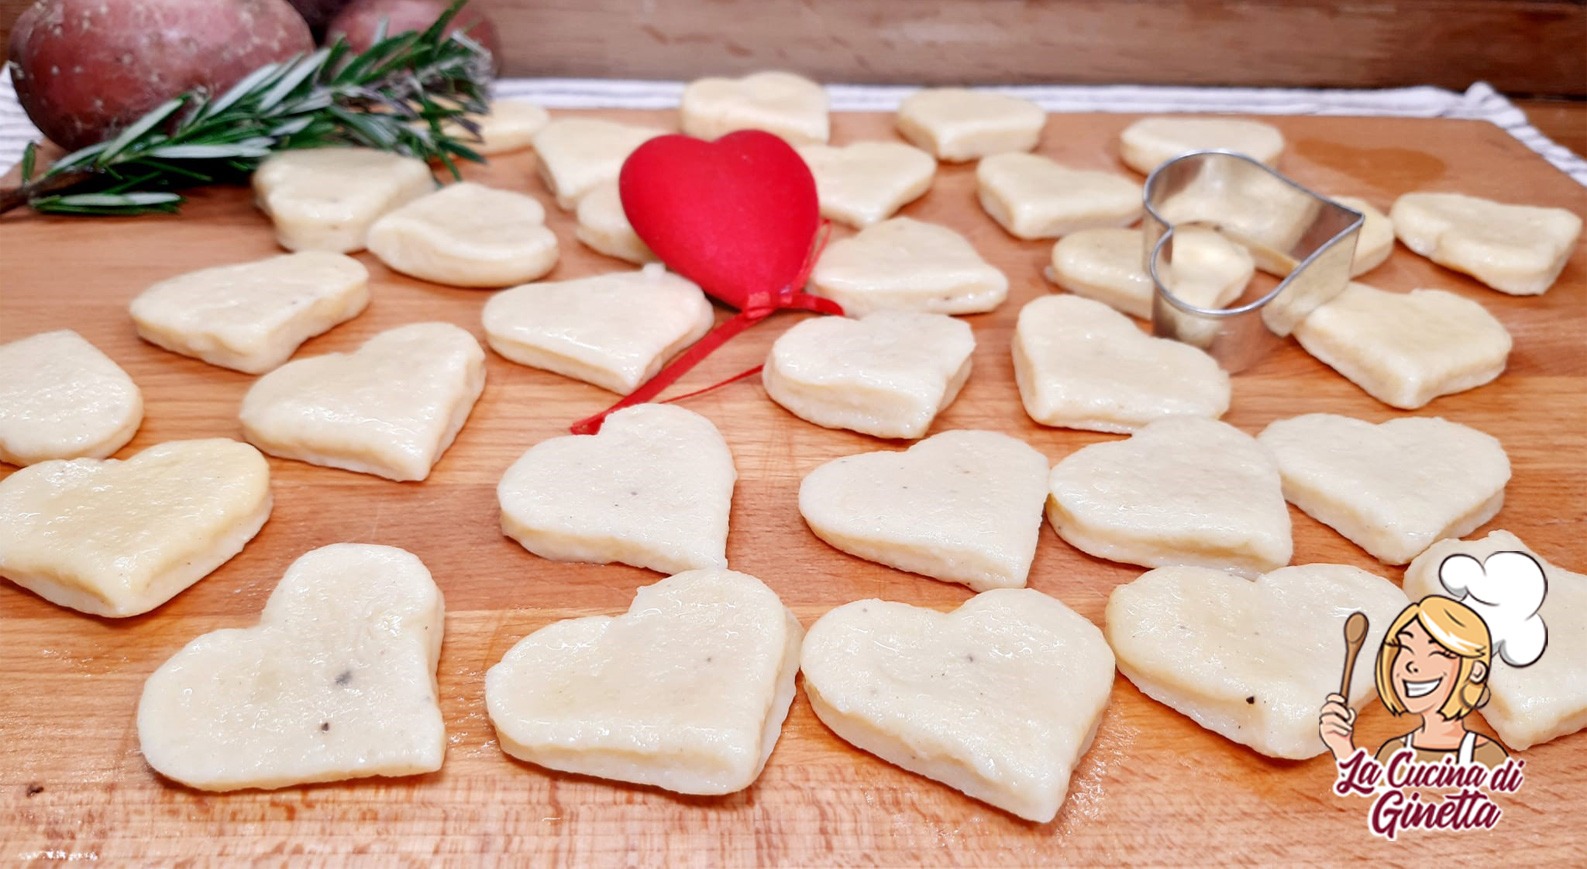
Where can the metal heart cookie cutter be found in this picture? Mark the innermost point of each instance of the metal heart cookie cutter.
(1289, 230)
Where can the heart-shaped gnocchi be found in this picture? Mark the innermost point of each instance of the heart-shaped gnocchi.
(908, 265)
(961, 506)
(337, 681)
(1515, 249)
(867, 182)
(686, 691)
(998, 699)
(603, 226)
(1393, 489)
(1250, 661)
(62, 398)
(1150, 142)
(958, 125)
(119, 538)
(390, 408)
(781, 103)
(467, 235)
(579, 154)
(1109, 265)
(327, 198)
(652, 489)
(1033, 197)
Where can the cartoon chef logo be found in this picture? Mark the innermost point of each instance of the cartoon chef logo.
(1434, 665)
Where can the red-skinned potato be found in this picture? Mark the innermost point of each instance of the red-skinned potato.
(83, 69)
(361, 18)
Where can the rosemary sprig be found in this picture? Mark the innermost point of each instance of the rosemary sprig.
(408, 93)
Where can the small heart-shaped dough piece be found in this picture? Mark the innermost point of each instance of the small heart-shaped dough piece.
(253, 316)
(780, 103)
(1032, 197)
(1515, 249)
(1249, 661)
(961, 506)
(327, 198)
(603, 226)
(1394, 488)
(887, 374)
(510, 126)
(1150, 142)
(614, 330)
(652, 489)
(907, 265)
(467, 235)
(1109, 265)
(686, 691)
(61, 398)
(959, 125)
(118, 538)
(336, 682)
(390, 408)
(1406, 349)
(1081, 364)
(1375, 241)
(1181, 491)
(1548, 699)
(998, 699)
(579, 154)
(866, 182)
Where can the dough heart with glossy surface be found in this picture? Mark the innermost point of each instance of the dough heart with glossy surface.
(603, 226)
(1149, 142)
(467, 235)
(1109, 265)
(1515, 249)
(578, 154)
(958, 125)
(61, 398)
(327, 198)
(781, 103)
(1033, 197)
(908, 265)
(866, 182)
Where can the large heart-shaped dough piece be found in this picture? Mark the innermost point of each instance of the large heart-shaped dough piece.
(119, 538)
(467, 235)
(961, 506)
(1548, 698)
(1032, 197)
(390, 408)
(1109, 265)
(958, 125)
(867, 182)
(1516, 249)
(1250, 661)
(652, 489)
(1181, 491)
(327, 198)
(1393, 489)
(614, 330)
(1406, 349)
(998, 699)
(887, 374)
(337, 681)
(253, 316)
(780, 103)
(1081, 364)
(908, 265)
(686, 691)
(62, 398)
(604, 226)
(577, 154)
(1149, 142)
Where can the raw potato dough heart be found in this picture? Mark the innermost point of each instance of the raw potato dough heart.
(1150, 142)
(1548, 699)
(327, 198)
(119, 538)
(1406, 349)
(604, 226)
(686, 691)
(578, 154)
(904, 264)
(1393, 489)
(336, 682)
(888, 374)
(867, 182)
(1250, 661)
(1109, 265)
(1516, 249)
(467, 235)
(253, 316)
(961, 506)
(614, 330)
(652, 489)
(1181, 491)
(1033, 197)
(390, 408)
(958, 125)
(1375, 241)
(998, 699)
(61, 398)
(510, 126)
(780, 103)
(1081, 364)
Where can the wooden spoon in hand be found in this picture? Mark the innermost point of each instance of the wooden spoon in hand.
(1355, 638)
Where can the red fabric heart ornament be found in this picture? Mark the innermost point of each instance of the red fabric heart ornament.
(738, 216)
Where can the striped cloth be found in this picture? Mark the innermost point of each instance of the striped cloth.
(1479, 102)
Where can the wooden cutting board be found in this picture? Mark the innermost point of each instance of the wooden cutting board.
(1155, 788)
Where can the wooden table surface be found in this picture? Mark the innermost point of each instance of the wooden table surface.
(1155, 788)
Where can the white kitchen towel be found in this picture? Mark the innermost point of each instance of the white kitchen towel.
(1480, 102)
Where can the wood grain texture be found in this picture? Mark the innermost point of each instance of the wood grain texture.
(1155, 788)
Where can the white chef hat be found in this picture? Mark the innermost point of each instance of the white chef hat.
(1507, 590)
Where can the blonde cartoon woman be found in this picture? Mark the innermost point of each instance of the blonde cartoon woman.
(1434, 663)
